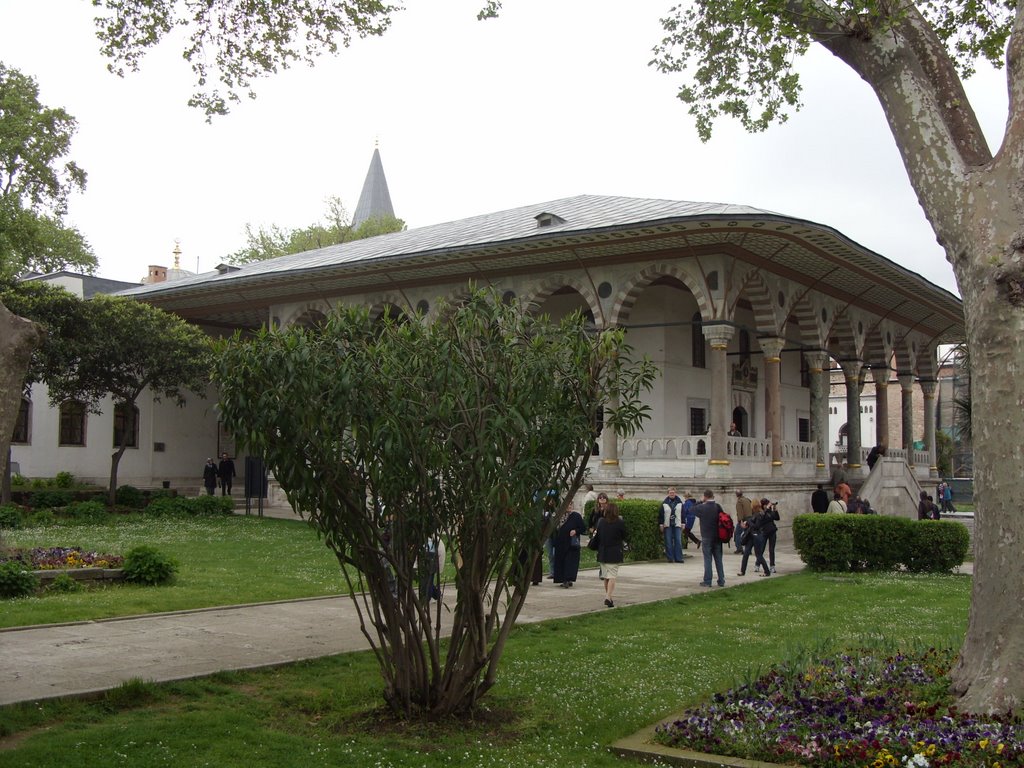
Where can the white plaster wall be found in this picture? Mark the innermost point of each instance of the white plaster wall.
(189, 434)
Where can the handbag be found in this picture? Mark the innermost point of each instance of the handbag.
(594, 542)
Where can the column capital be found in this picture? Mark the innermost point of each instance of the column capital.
(852, 369)
(881, 374)
(817, 360)
(928, 388)
(906, 381)
(718, 334)
(772, 347)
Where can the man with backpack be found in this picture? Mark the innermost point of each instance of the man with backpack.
(715, 524)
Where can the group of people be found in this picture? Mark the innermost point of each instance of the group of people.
(607, 537)
(843, 500)
(753, 531)
(223, 473)
(928, 509)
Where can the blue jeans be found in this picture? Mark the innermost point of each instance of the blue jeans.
(674, 544)
(712, 549)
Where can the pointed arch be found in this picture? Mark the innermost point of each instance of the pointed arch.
(634, 286)
(551, 284)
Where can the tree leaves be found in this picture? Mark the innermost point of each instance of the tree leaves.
(392, 433)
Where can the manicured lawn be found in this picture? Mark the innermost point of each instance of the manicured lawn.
(566, 688)
(222, 561)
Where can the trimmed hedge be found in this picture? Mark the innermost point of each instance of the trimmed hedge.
(832, 542)
(641, 519)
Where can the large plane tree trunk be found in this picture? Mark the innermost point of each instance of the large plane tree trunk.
(974, 201)
(18, 338)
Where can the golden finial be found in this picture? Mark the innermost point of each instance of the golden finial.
(177, 253)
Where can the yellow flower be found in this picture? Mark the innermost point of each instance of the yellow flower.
(999, 749)
(983, 743)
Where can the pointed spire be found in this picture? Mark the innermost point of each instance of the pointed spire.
(374, 200)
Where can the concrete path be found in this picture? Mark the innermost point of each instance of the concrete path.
(87, 657)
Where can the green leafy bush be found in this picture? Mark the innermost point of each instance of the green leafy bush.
(834, 542)
(16, 580)
(147, 565)
(43, 518)
(641, 518)
(162, 506)
(10, 517)
(937, 546)
(87, 511)
(48, 499)
(17, 479)
(63, 583)
(208, 506)
(130, 496)
(64, 480)
(38, 482)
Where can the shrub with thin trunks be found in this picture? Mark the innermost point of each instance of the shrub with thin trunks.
(147, 565)
(64, 480)
(16, 580)
(130, 496)
(10, 517)
(50, 498)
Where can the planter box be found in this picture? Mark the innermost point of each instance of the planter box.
(80, 574)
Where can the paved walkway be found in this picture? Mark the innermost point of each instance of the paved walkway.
(87, 657)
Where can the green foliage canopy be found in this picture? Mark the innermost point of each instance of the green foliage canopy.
(235, 41)
(739, 57)
(36, 181)
(271, 242)
(393, 432)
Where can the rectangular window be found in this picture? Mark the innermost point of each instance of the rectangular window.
(804, 430)
(21, 430)
(72, 423)
(126, 425)
(698, 421)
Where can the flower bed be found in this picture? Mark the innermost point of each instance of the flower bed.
(855, 709)
(60, 558)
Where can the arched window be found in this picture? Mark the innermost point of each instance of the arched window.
(72, 423)
(698, 344)
(126, 425)
(844, 432)
(22, 427)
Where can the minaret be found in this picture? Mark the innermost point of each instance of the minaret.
(374, 200)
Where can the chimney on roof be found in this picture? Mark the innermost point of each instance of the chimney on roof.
(157, 274)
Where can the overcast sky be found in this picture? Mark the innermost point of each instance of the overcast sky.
(552, 99)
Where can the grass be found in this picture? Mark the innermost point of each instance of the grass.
(222, 561)
(566, 688)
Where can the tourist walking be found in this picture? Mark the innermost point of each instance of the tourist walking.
(210, 477)
(819, 500)
(670, 523)
(599, 511)
(567, 547)
(743, 513)
(753, 538)
(771, 529)
(611, 536)
(226, 473)
(689, 519)
(708, 512)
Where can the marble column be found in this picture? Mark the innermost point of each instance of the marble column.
(718, 336)
(928, 388)
(880, 375)
(772, 348)
(906, 381)
(610, 444)
(851, 371)
(818, 368)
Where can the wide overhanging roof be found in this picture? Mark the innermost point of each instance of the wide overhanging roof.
(589, 231)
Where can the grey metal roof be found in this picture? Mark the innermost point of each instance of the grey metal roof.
(594, 229)
(374, 200)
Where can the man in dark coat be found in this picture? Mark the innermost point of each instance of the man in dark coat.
(819, 500)
(210, 477)
(711, 546)
(226, 471)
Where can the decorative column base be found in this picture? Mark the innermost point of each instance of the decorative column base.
(719, 469)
